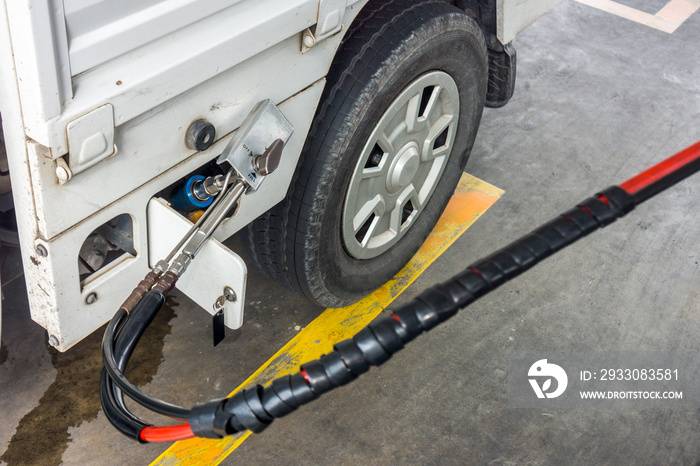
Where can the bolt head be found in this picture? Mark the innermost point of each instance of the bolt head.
(53, 341)
(91, 298)
(41, 250)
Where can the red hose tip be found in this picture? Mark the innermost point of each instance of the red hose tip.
(166, 434)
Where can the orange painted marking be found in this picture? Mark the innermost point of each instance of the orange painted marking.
(471, 199)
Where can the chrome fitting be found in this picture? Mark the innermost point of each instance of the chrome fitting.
(180, 264)
(160, 267)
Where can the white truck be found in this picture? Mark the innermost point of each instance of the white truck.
(114, 111)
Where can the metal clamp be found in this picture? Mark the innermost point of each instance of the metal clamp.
(257, 135)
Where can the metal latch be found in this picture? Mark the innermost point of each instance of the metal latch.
(90, 141)
(328, 22)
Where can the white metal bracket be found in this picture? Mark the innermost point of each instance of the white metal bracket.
(90, 141)
(215, 267)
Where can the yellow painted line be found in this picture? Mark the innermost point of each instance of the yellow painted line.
(471, 199)
(668, 19)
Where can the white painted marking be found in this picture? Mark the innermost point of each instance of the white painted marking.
(668, 19)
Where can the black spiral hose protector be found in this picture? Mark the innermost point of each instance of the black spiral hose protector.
(254, 409)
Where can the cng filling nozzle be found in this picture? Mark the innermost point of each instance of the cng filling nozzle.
(254, 409)
(197, 192)
(232, 188)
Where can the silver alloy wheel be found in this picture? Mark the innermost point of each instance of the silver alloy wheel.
(400, 165)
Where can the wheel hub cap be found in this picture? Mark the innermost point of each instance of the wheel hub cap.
(400, 165)
(404, 168)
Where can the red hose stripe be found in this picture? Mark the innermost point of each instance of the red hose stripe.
(587, 210)
(166, 434)
(662, 169)
(306, 377)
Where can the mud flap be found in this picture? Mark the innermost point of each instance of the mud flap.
(502, 66)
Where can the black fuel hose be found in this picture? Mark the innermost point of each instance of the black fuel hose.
(112, 399)
(120, 339)
(254, 409)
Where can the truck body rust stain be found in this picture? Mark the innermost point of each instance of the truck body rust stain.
(42, 435)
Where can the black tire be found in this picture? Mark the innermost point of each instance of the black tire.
(298, 243)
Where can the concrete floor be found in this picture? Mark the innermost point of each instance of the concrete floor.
(598, 99)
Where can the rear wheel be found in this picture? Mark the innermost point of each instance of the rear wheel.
(389, 142)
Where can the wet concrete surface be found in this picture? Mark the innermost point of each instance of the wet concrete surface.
(598, 99)
(42, 434)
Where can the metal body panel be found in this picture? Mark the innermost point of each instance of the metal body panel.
(160, 70)
(14, 136)
(40, 48)
(155, 141)
(515, 15)
(104, 29)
